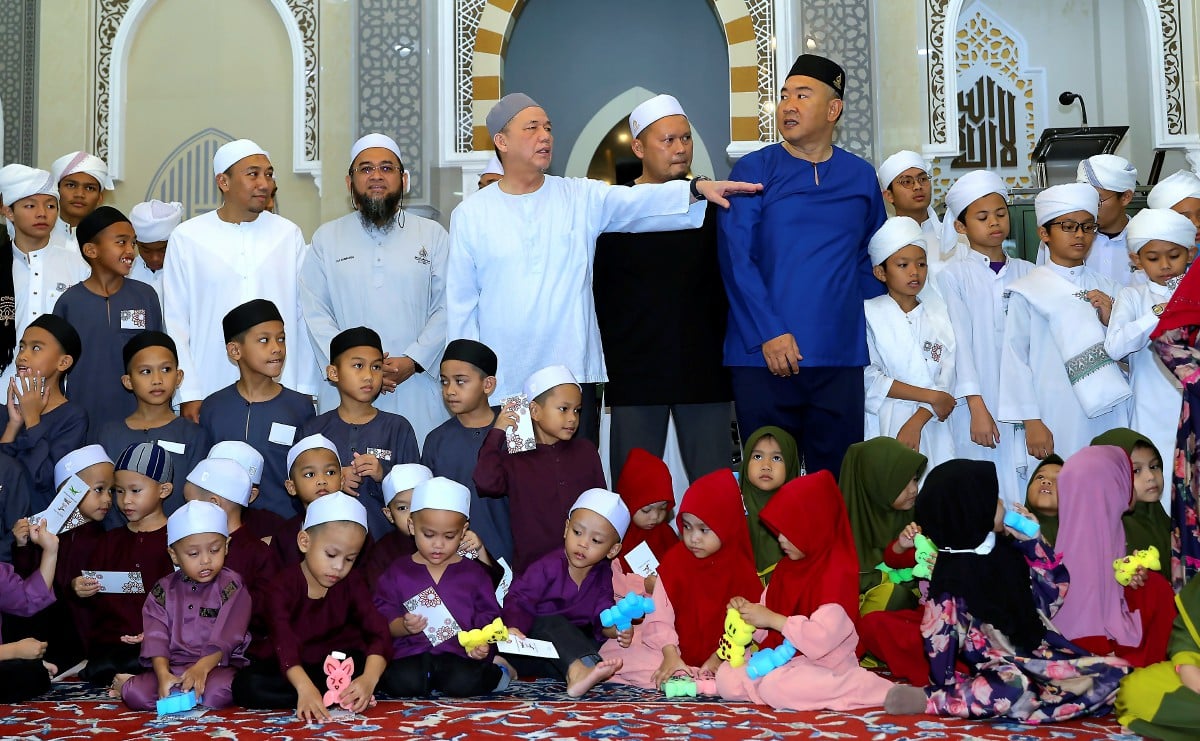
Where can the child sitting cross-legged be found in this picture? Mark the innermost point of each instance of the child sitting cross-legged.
(424, 660)
(195, 620)
(560, 596)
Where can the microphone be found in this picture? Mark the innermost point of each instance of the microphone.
(1068, 97)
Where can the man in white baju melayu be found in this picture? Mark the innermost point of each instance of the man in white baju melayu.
(1055, 376)
(224, 258)
(384, 268)
(520, 270)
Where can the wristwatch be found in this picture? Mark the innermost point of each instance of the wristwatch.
(696, 191)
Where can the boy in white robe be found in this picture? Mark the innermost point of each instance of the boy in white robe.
(153, 221)
(81, 179)
(1159, 243)
(911, 345)
(975, 285)
(1179, 192)
(1055, 377)
(1114, 178)
(904, 180)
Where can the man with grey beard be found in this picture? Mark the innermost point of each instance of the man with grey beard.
(384, 268)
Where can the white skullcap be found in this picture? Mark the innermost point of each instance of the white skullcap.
(371, 141)
(77, 460)
(1107, 171)
(402, 477)
(21, 181)
(244, 454)
(493, 166)
(896, 233)
(966, 190)
(905, 159)
(660, 106)
(1169, 191)
(1159, 223)
(1064, 199)
(440, 492)
(233, 152)
(608, 505)
(505, 109)
(312, 442)
(196, 517)
(547, 378)
(335, 507)
(224, 477)
(153, 221)
(88, 164)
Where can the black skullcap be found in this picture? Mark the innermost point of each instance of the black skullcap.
(475, 353)
(142, 340)
(820, 68)
(62, 331)
(242, 318)
(354, 337)
(96, 222)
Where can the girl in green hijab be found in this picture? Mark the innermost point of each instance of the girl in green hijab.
(769, 460)
(1041, 495)
(1148, 523)
(879, 484)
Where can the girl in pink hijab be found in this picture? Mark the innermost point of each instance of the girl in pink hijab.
(1095, 488)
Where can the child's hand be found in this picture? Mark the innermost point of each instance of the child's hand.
(167, 682)
(1039, 443)
(1189, 674)
(14, 410)
(31, 394)
(414, 623)
(479, 653)
(625, 637)
(1103, 304)
(650, 582)
(711, 664)
(85, 587)
(737, 603)
(195, 677)
(668, 669)
(760, 616)
(367, 465)
(350, 480)
(20, 531)
(470, 543)
(516, 633)
(908, 536)
(507, 417)
(132, 640)
(1017, 534)
(942, 404)
(983, 426)
(310, 708)
(28, 648)
(910, 433)
(43, 538)
(1138, 580)
(358, 695)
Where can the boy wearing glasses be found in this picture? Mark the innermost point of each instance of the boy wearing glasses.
(383, 267)
(975, 284)
(904, 180)
(1055, 376)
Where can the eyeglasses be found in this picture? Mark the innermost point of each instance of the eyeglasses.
(1074, 227)
(908, 181)
(370, 170)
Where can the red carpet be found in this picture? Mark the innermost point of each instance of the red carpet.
(542, 712)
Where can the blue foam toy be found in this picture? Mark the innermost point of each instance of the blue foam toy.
(177, 702)
(631, 607)
(767, 660)
(1023, 525)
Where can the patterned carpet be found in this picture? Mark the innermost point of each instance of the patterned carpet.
(531, 710)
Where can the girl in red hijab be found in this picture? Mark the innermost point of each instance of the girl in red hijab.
(711, 564)
(811, 601)
(645, 487)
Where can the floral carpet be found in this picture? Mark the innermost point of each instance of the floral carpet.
(530, 710)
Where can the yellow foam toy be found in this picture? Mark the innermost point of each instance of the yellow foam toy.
(738, 635)
(490, 633)
(1124, 568)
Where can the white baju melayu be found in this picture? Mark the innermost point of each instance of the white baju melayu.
(41, 276)
(1157, 393)
(1109, 256)
(1034, 378)
(977, 301)
(917, 348)
(519, 277)
(145, 275)
(394, 283)
(213, 266)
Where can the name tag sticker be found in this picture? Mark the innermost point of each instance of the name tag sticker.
(282, 434)
(133, 319)
(172, 447)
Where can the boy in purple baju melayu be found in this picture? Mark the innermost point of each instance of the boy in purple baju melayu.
(196, 620)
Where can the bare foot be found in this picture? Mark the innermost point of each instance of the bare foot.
(114, 689)
(905, 700)
(589, 678)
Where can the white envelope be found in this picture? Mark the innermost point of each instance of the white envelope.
(441, 625)
(528, 647)
(521, 439)
(118, 582)
(65, 502)
(641, 560)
